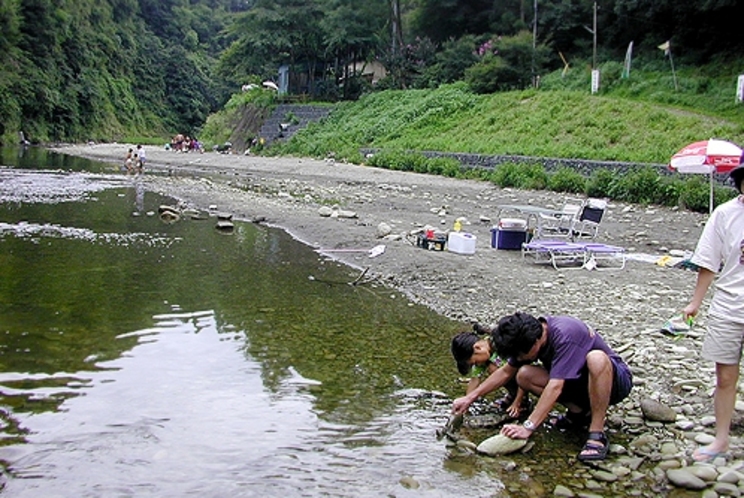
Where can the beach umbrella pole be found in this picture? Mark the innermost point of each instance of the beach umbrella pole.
(710, 202)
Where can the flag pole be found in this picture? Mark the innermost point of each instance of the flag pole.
(674, 75)
(667, 48)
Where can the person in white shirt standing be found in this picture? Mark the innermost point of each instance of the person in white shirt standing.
(142, 158)
(720, 252)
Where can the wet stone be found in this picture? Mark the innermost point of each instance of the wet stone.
(501, 445)
(685, 479)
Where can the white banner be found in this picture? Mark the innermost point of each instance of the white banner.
(595, 80)
(740, 89)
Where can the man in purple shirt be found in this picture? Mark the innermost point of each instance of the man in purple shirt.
(577, 369)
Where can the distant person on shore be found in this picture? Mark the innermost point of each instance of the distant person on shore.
(720, 251)
(578, 369)
(129, 161)
(476, 359)
(142, 158)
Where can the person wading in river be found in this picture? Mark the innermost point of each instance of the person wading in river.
(578, 369)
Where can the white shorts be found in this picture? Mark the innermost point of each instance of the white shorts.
(723, 342)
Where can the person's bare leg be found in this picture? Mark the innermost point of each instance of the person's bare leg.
(724, 399)
(532, 379)
(600, 387)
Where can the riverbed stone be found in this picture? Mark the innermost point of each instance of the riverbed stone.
(656, 411)
(707, 473)
(325, 211)
(563, 491)
(500, 445)
(726, 489)
(605, 476)
(731, 476)
(683, 478)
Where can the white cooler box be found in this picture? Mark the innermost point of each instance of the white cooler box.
(461, 243)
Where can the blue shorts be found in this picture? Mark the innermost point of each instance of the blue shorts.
(576, 391)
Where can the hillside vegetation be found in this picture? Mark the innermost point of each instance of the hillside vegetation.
(641, 120)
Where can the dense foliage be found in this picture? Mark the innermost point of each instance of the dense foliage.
(98, 69)
(112, 68)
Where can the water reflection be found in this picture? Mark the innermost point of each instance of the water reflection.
(152, 359)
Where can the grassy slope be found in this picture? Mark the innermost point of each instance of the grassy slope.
(643, 120)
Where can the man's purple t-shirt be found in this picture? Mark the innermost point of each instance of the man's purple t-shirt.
(569, 341)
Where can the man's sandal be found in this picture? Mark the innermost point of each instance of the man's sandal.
(502, 404)
(596, 448)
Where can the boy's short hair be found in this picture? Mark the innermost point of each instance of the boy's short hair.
(516, 334)
(462, 350)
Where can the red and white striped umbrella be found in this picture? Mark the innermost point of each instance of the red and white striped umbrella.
(707, 156)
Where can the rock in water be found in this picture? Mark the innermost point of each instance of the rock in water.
(487, 420)
(501, 445)
(225, 226)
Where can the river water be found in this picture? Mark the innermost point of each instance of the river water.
(142, 357)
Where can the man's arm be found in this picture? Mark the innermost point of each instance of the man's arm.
(547, 401)
(492, 382)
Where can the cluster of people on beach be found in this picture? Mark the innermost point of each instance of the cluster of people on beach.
(562, 360)
(185, 143)
(134, 161)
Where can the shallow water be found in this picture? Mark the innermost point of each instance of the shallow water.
(145, 358)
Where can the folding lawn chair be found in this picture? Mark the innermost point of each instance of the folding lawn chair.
(586, 224)
(560, 226)
(575, 255)
(602, 256)
(555, 252)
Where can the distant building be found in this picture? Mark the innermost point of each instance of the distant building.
(372, 71)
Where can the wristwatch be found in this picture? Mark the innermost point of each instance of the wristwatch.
(529, 425)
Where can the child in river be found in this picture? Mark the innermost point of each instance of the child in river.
(476, 358)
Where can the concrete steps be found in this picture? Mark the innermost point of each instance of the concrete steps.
(287, 119)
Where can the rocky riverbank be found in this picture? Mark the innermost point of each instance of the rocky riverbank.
(628, 306)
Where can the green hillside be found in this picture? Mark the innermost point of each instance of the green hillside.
(642, 120)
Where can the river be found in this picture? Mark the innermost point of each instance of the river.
(149, 357)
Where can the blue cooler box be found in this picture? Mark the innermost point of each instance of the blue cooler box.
(508, 239)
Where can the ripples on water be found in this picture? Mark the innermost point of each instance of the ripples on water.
(139, 358)
(143, 358)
